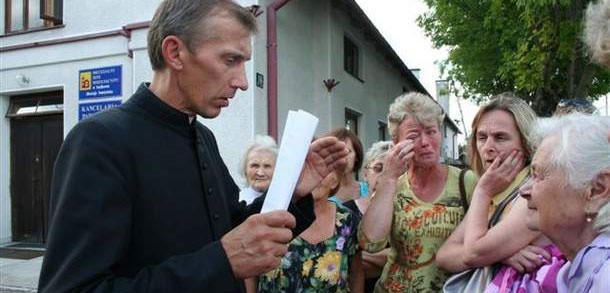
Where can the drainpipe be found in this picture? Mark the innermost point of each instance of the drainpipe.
(272, 91)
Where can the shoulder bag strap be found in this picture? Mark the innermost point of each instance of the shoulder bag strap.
(495, 218)
(463, 190)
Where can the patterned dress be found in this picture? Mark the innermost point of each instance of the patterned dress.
(321, 267)
(418, 230)
(364, 193)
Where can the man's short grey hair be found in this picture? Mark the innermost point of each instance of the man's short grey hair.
(582, 151)
(261, 143)
(416, 105)
(597, 31)
(377, 151)
(190, 21)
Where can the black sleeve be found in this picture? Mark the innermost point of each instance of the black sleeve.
(90, 227)
(302, 210)
(304, 213)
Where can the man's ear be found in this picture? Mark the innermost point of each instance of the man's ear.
(600, 190)
(172, 48)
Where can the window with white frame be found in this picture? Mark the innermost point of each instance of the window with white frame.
(351, 120)
(26, 15)
(351, 57)
(382, 129)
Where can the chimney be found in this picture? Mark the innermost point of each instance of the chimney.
(442, 94)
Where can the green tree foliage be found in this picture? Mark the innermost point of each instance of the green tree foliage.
(531, 47)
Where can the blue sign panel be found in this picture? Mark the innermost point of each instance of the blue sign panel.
(100, 82)
(88, 109)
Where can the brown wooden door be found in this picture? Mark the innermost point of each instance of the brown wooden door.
(35, 142)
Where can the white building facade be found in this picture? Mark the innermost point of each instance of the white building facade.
(47, 65)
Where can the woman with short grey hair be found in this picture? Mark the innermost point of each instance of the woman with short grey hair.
(414, 190)
(373, 263)
(257, 166)
(373, 163)
(568, 197)
(597, 31)
(418, 106)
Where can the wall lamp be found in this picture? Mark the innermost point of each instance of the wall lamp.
(255, 10)
(330, 83)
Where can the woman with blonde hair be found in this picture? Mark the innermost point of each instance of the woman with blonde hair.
(418, 201)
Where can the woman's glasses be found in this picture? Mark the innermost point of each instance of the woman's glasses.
(377, 168)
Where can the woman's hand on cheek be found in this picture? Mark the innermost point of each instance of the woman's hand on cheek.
(501, 173)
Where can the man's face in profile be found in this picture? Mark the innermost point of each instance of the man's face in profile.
(212, 74)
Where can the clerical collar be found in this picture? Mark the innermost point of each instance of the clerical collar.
(147, 100)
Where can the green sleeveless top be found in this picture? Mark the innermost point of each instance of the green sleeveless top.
(418, 230)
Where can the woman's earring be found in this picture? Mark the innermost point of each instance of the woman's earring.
(589, 216)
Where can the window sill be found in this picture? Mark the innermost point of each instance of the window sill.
(33, 30)
(354, 76)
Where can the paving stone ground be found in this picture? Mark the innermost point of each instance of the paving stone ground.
(18, 275)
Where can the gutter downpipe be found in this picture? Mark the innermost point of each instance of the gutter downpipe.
(272, 91)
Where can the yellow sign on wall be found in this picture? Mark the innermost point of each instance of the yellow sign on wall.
(85, 80)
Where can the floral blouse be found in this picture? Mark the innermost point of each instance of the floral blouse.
(321, 267)
(418, 230)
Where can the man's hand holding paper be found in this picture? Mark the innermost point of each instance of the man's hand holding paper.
(301, 165)
(257, 245)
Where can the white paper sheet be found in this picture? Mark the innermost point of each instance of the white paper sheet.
(298, 132)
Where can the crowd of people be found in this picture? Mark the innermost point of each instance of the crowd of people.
(531, 214)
